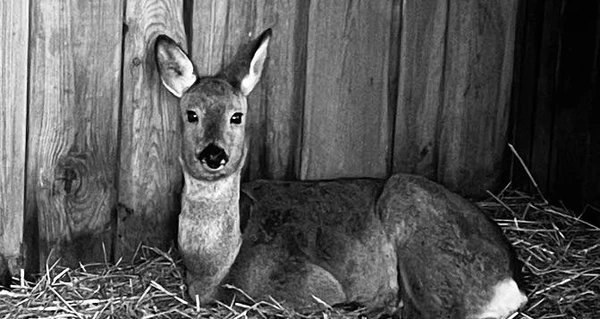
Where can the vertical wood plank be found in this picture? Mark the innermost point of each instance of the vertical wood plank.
(394, 75)
(220, 27)
(74, 78)
(420, 87)
(150, 175)
(346, 122)
(574, 97)
(14, 35)
(283, 88)
(477, 84)
(545, 103)
(527, 46)
(591, 183)
(555, 113)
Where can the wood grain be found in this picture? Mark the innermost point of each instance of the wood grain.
(220, 27)
(420, 87)
(396, 28)
(591, 183)
(14, 35)
(545, 94)
(477, 85)
(75, 55)
(150, 175)
(346, 131)
(555, 113)
(527, 39)
(572, 177)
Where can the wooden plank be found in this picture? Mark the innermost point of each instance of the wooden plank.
(150, 175)
(527, 47)
(545, 103)
(394, 75)
(591, 182)
(477, 82)
(420, 87)
(346, 123)
(572, 125)
(220, 27)
(590, 197)
(283, 84)
(73, 114)
(14, 35)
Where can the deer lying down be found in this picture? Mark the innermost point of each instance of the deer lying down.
(361, 241)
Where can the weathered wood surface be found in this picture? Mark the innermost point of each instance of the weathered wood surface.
(394, 60)
(420, 87)
(220, 27)
(150, 174)
(346, 131)
(476, 102)
(527, 52)
(453, 103)
(545, 94)
(591, 171)
(350, 88)
(75, 59)
(555, 113)
(14, 36)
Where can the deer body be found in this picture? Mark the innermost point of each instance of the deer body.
(322, 238)
(364, 241)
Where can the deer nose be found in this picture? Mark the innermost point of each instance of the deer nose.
(213, 156)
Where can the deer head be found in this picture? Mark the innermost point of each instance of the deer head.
(213, 108)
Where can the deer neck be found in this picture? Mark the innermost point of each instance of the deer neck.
(209, 230)
(221, 191)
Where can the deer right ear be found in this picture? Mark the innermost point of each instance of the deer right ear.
(175, 68)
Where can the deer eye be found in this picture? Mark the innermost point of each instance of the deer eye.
(236, 118)
(192, 117)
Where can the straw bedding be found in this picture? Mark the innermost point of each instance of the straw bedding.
(561, 255)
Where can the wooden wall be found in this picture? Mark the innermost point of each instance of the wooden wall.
(14, 36)
(455, 66)
(351, 88)
(556, 101)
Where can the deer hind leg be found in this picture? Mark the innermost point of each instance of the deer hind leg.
(308, 289)
(323, 285)
(506, 299)
(298, 287)
(442, 291)
(267, 270)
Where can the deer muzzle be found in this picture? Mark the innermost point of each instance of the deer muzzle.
(213, 156)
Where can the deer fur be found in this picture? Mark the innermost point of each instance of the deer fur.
(360, 241)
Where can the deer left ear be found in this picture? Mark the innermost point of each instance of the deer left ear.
(175, 68)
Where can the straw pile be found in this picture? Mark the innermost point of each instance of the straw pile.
(561, 256)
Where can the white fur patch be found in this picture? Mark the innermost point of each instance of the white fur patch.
(507, 299)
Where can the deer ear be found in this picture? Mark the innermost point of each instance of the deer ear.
(245, 70)
(254, 71)
(175, 68)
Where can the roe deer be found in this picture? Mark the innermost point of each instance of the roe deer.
(362, 241)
